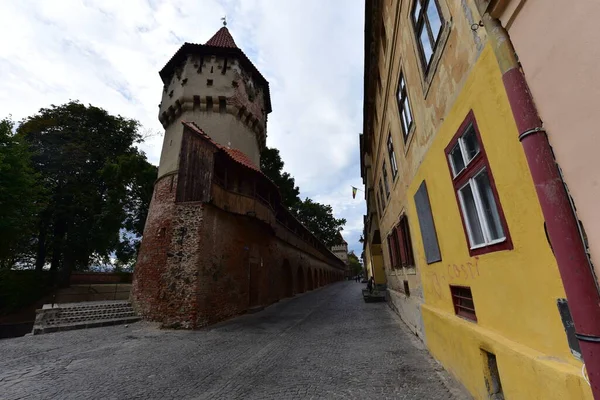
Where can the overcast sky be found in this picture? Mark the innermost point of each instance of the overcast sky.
(108, 53)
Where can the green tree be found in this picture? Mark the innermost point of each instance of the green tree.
(355, 265)
(20, 196)
(271, 165)
(99, 184)
(319, 219)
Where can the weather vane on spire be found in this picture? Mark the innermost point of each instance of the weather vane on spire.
(224, 19)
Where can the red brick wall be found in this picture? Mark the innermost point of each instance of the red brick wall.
(199, 264)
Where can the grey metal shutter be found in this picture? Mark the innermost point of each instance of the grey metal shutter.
(430, 242)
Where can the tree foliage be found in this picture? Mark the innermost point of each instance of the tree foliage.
(98, 184)
(355, 265)
(271, 165)
(319, 219)
(316, 217)
(20, 196)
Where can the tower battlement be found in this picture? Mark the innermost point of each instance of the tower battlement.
(217, 87)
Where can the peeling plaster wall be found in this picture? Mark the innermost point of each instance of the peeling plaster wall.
(431, 97)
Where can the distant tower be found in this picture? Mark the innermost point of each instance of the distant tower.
(217, 87)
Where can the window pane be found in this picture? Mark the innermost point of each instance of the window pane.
(470, 214)
(416, 10)
(434, 18)
(408, 114)
(490, 210)
(385, 181)
(457, 160)
(404, 122)
(471, 144)
(427, 48)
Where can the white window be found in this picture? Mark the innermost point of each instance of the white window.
(480, 211)
(475, 192)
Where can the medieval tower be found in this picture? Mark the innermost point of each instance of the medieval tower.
(217, 240)
(218, 88)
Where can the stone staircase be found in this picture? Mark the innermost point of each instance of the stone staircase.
(91, 314)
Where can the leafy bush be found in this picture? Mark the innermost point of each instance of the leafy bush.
(19, 289)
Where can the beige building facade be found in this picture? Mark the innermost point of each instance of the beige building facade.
(461, 186)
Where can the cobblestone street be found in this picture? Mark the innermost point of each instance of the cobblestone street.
(326, 344)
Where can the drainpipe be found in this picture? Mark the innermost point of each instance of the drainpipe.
(562, 225)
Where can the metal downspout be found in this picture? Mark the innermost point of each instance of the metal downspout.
(562, 225)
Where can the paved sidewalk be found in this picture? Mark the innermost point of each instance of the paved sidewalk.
(326, 344)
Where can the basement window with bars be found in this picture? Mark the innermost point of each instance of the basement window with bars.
(462, 298)
(483, 219)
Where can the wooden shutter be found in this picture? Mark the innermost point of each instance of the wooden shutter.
(401, 246)
(397, 253)
(410, 260)
(428, 234)
(391, 251)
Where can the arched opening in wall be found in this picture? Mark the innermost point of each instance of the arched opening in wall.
(300, 280)
(288, 279)
(317, 278)
(321, 278)
(311, 280)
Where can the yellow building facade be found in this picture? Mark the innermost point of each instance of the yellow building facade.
(452, 205)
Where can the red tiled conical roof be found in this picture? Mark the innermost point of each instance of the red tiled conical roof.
(222, 39)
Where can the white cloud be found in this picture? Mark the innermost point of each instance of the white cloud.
(108, 53)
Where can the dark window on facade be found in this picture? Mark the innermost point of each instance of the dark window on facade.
(392, 156)
(406, 289)
(385, 181)
(463, 302)
(222, 105)
(476, 193)
(392, 249)
(209, 103)
(379, 208)
(428, 233)
(381, 196)
(406, 118)
(209, 82)
(405, 249)
(427, 22)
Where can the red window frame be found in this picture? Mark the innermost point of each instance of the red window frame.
(462, 299)
(479, 162)
(392, 250)
(405, 243)
(400, 245)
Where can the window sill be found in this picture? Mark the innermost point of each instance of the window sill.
(493, 242)
(496, 245)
